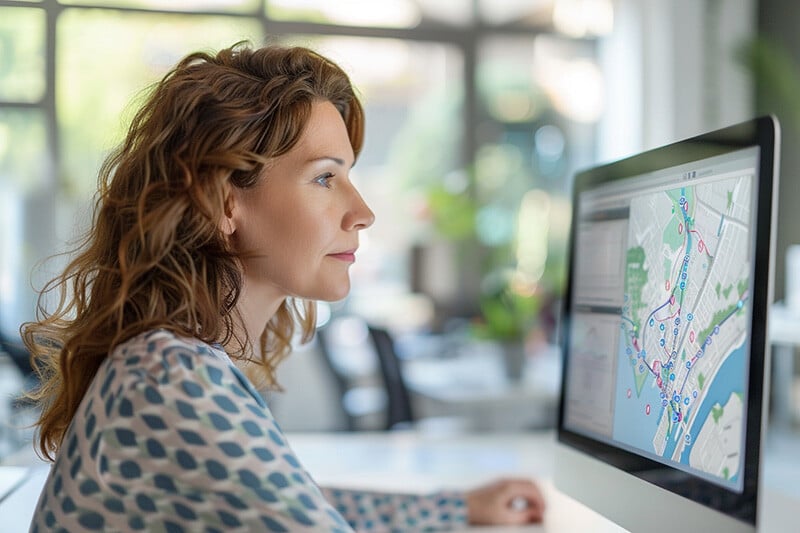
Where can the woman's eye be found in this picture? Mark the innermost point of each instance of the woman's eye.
(324, 180)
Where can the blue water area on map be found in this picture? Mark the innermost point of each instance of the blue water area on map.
(730, 379)
(632, 425)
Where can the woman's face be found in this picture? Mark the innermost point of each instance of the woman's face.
(298, 228)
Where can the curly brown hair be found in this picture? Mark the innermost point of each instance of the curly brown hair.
(155, 256)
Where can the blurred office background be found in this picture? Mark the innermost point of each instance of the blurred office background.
(478, 114)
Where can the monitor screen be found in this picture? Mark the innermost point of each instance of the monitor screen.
(664, 325)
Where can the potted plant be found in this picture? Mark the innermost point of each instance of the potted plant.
(509, 312)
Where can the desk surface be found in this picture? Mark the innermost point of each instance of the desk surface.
(427, 462)
(420, 462)
(417, 462)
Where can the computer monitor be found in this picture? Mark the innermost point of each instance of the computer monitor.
(664, 332)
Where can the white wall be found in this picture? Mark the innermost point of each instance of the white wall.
(671, 72)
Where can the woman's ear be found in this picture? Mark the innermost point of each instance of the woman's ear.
(226, 223)
(227, 226)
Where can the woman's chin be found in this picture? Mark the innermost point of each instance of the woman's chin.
(332, 294)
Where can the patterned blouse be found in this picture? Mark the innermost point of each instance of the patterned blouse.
(172, 437)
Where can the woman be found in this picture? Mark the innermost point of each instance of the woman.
(225, 212)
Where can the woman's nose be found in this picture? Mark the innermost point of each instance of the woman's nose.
(360, 216)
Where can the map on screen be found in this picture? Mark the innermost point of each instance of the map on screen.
(684, 325)
(660, 330)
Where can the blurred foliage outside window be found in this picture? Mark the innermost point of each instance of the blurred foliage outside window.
(506, 200)
(513, 201)
(777, 76)
(22, 54)
(111, 58)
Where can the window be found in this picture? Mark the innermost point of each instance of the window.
(477, 113)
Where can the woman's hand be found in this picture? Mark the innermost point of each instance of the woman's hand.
(505, 502)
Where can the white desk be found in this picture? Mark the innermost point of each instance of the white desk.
(422, 463)
(417, 462)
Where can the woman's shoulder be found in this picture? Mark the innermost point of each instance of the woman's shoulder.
(160, 352)
(160, 363)
(164, 341)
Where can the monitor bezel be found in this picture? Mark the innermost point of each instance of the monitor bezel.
(762, 132)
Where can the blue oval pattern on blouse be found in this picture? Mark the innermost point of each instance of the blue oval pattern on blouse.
(154, 421)
(192, 389)
(88, 487)
(191, 437)
(130, 469)
(107, 382)
(240, 392)
(275, 437)
(114, 505)
(73, 445)
(76, 467)
(252, 428)
(125, 437)
(225, 403)
(220, 422)
(266, 495)
(186, 410)
(186, 360)
(234, 501)
(216, 469)
(145, 503)
(68, 505)
(90, 422)
(256, 410)
(307, 502)
(228, 519)
(278, 479)
(94, 448)
(172, 527)
(184, 512)
(231, 449)
(300, 516)
(264, 454)
(186, 460)
(109, 405)
(249, 479)
(215, 375)
(153, 396)
(119, 489)
(272, 525)
(125, 408)
(91, 520)
(155, 449)
(165, 482)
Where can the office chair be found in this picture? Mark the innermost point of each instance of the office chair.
(367, 391)
(359, 399)
(18, 354)
(399, 413)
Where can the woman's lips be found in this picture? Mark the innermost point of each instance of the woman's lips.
(349, 256)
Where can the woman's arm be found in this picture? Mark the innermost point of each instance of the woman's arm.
(378, 511)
